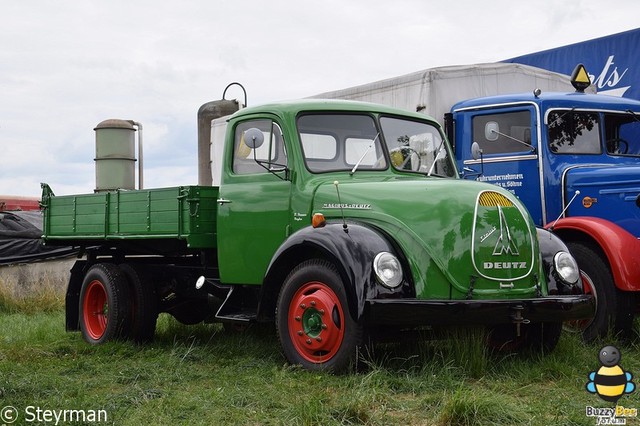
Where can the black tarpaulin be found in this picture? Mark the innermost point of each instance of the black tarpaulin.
(20, 239)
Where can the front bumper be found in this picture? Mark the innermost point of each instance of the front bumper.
(414, 312)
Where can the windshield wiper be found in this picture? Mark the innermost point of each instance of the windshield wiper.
(364, 154)
(433, 165)
(633, 114)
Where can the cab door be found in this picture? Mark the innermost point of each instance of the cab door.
(254, 202)
(509, 140)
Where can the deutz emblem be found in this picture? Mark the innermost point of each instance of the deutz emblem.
(502, 241)
(505, 244)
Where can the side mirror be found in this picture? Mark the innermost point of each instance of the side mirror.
(476, 152)
(491, 131)
(253, 138)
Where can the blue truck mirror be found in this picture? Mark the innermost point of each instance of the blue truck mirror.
(491, 131)
(476, 152)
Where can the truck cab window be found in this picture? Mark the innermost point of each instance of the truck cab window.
(622, 134)
(504, 133)
(319, 147)
(357, 149)
(416, 146)
(272, 149)
(333, 142)
(572, 132)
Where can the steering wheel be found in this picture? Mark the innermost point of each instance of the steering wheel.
(406, 154)
(613, 146)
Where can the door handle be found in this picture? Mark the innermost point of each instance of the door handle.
(223, 201)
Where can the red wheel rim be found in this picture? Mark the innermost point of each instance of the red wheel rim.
(95, 308)
(316, 322)
(587, 288)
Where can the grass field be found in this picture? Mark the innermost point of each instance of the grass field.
(204, 375)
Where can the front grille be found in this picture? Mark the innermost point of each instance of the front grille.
(493, 199)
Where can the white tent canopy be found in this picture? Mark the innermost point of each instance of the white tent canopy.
(435, 90)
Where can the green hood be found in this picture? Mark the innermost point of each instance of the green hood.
(461, 239)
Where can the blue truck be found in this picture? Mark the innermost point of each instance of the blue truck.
(572, 156)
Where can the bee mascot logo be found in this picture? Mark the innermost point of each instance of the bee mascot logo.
(610, 382)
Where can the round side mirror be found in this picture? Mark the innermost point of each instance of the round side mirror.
(253, 138)
(476, 152)
(491, 131)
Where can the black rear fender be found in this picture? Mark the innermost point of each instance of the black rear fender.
(72, 299)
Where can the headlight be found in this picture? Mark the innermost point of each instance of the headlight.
(388, 269)
(566, 267)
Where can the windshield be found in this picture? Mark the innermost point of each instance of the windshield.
(416, 146)
(622, 134)
(351, 142)
(574, 132)
(584, 132)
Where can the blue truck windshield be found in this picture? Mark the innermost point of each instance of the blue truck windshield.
(579, 132)
(574, 132)
(622, 132)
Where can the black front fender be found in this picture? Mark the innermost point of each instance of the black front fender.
(550, 244)
(352, 253)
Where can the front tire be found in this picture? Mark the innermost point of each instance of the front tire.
(314, 325)
(104, 311)
(614, 310)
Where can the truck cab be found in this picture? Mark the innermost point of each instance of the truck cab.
(574, 161)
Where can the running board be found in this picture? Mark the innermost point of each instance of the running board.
(240, 302)
(238, 306)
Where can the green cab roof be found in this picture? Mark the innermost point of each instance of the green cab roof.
(294, 107)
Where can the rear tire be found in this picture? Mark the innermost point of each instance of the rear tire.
(104, 311)
(143, 304)
(614, 308)
(313, 321)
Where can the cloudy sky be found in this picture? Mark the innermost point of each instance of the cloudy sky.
(67, 65)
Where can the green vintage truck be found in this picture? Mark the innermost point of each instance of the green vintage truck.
(333, 219)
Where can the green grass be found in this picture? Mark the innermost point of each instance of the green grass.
(35, 287)
(204, 375)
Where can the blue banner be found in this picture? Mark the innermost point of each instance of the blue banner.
(613, 62)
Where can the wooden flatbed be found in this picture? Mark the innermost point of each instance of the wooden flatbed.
(185, 213)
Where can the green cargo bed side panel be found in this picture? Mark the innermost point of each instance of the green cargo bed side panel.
(186, 213)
